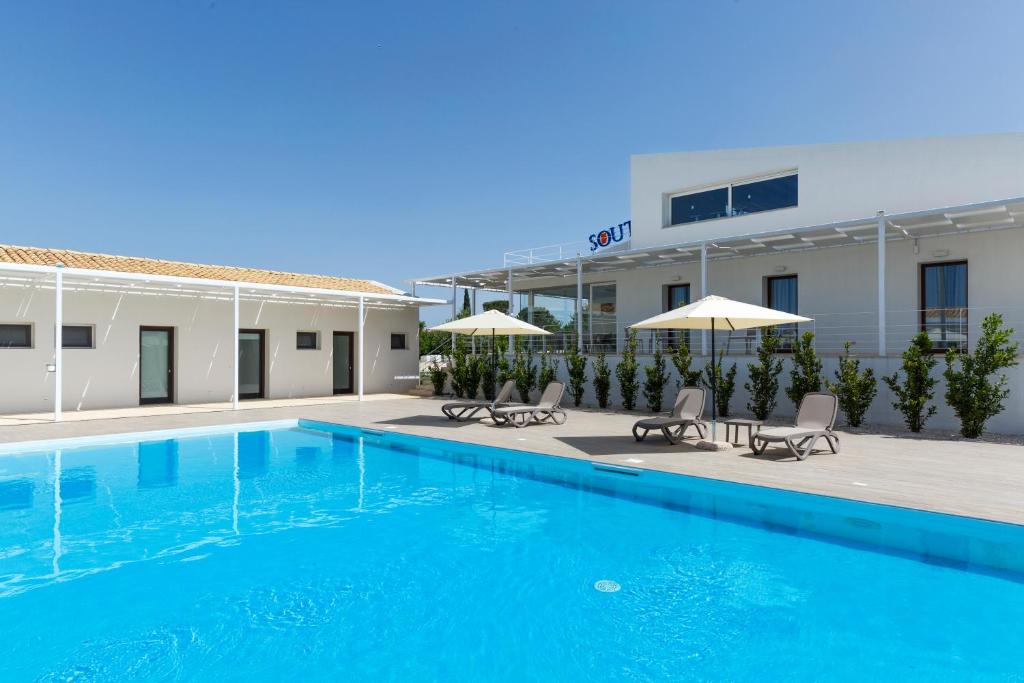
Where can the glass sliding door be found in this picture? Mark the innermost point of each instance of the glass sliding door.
(343, 362)
(251, 363)
(156, 365)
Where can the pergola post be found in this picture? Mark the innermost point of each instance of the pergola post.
(359, 366)
(58, 345)
(579, 303)
(703, 292)
(881, 283)
(234, 347)
(455, 295)
(472, 311)
(510, 305)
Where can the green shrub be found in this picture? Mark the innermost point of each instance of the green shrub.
(682, 359)
(763, 386)
(548, 370)
(970, 389)
(726, 384)
(488, 376)
(656, 377)
(626, 372)
(854, 389)
(524, 372)
(474, 373)
(912, 397)
(576, 366)
(438, 377)
(805, 376)
(459, 363)
(602, 380)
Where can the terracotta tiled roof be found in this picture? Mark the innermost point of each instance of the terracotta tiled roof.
(151, 266)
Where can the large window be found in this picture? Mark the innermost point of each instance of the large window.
(781, 295)
(675, 297)
(944, 304)
(15, 336)
(735, 199)
(554, 309)
(307, 341)
(76, 336)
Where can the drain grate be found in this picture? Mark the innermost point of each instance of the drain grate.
(607, 586)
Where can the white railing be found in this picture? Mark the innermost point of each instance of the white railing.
(545, 254)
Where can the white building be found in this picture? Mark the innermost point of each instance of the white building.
(797, 228)
(83, 331)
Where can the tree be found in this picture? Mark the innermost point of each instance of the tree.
(912, 397)
(654, 382)
(602, 380)
(460, 362)
(467, 309)
(542, 318)
(854, 389)
(805, 375)
(438, 377)
(548, 370)
(726, 384)
(970, 389)
(626, 371)
(524, 372)
(498, 305)
(763, 386)
(433, 342)
(488, 376)
(682, 359)
(576, 366)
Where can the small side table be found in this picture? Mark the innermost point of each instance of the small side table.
(753, 426)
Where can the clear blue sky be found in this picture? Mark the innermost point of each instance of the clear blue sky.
(390, 140)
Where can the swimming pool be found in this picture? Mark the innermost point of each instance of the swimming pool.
(305, 551)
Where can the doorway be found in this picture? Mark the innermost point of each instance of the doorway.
(251, 363)
(156, 365)
(344, 362)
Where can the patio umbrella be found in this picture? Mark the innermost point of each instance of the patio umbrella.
(712, 311)
(490, 323)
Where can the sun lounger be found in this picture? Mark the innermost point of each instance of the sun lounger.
(465, 410)
(547, 409)
(815, 419)
(686, 413)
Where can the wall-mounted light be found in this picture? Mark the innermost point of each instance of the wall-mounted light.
(940, 253)
(917, 249)
(677, 278)
(780, 269)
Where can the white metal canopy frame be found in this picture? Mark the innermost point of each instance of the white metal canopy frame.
(705, 314)
(84, 279)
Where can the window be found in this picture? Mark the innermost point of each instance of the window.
(15, 336)
(944, 304)
(305, 341)
(735, 199)
(398, 341)
(781, 295)
(676, 296)
(700, 206)
(76, 336)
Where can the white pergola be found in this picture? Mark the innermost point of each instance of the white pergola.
(880, 229)
(63, 279)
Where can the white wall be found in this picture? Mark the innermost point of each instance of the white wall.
(107, 375)
(837, 182)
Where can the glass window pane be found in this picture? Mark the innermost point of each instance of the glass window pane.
(250, 355)
(76, 336)
(15, 336)
(944, 299)
(764, 195)
(342, 355)
(700, 206)
(782, 296)
(154, 367)
(602, 321)
(305, 340)
(397, 341)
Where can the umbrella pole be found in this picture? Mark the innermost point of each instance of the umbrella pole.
(714, 385)
(494, 366)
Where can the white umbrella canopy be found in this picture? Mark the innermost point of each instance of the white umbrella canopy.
(490, 323)
(718, 312)
(713, 312)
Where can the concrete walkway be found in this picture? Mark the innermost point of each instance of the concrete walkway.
(983, 480)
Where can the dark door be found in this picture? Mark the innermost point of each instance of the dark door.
(156, 364)
(251, 363)
(344, 362)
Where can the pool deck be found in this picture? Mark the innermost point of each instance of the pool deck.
(975, 479)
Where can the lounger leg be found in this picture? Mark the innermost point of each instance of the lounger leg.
(673, 439)
(833, 442)
(757, 445)
(637, 435)
(702, 429)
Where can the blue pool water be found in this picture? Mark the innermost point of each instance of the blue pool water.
(304, 554)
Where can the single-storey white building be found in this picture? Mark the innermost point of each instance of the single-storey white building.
(875, 241)
(82, 331)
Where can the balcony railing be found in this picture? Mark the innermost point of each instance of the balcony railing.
(948, 328)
